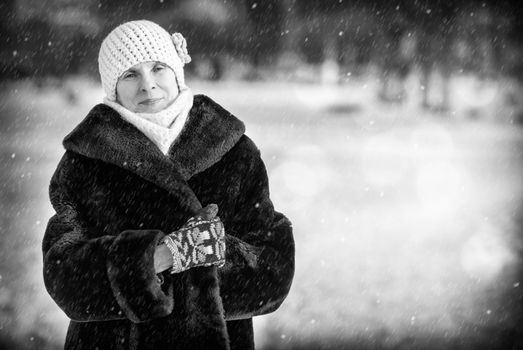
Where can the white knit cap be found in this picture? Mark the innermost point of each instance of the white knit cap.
(136, 42)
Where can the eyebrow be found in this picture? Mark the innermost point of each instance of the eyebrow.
(133, 70)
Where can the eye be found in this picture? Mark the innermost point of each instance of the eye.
(158, 67)
(129, 75)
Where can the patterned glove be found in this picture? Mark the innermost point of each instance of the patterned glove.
(200, 242)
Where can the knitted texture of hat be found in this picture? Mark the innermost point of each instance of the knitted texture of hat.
(132, 43)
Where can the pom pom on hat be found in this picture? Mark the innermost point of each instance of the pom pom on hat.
(136, 42)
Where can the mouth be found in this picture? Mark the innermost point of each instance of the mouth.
(150, 101)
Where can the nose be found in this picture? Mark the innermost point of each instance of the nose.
(147, 83)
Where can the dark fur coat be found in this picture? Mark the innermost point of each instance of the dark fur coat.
(116, 195)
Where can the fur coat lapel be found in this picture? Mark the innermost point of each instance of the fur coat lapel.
(209, 133)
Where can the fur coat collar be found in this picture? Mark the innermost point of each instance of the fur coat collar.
(209, 133)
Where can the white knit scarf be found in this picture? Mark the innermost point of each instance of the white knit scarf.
(162, 127)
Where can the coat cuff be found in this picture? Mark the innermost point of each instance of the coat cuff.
(130, 267)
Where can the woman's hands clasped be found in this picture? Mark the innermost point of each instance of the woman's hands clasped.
(200, 242)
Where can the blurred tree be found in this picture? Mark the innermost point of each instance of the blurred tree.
(504, 29)
(216, 32)
(7, 38)
(46, 38)
(395, 51)
(264, 43)
(326, 23)
(434, 25)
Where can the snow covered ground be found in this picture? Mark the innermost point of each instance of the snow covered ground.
(408, 225)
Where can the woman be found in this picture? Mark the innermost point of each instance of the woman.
(136, 255)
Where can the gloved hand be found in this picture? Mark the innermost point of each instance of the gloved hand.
(200, 242)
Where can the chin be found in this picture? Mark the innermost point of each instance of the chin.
(151, 109)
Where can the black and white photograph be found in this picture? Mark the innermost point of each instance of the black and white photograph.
(261, 174)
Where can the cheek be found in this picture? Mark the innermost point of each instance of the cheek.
(169, 83)
(125, 92)
(173, 89)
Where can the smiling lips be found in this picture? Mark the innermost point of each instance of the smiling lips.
(150, 101)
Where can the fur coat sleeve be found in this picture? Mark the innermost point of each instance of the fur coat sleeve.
(260, 247)
(87, 272)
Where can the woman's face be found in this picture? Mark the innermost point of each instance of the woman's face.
(147, 87)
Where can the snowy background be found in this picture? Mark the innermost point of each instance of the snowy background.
(405, 196)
